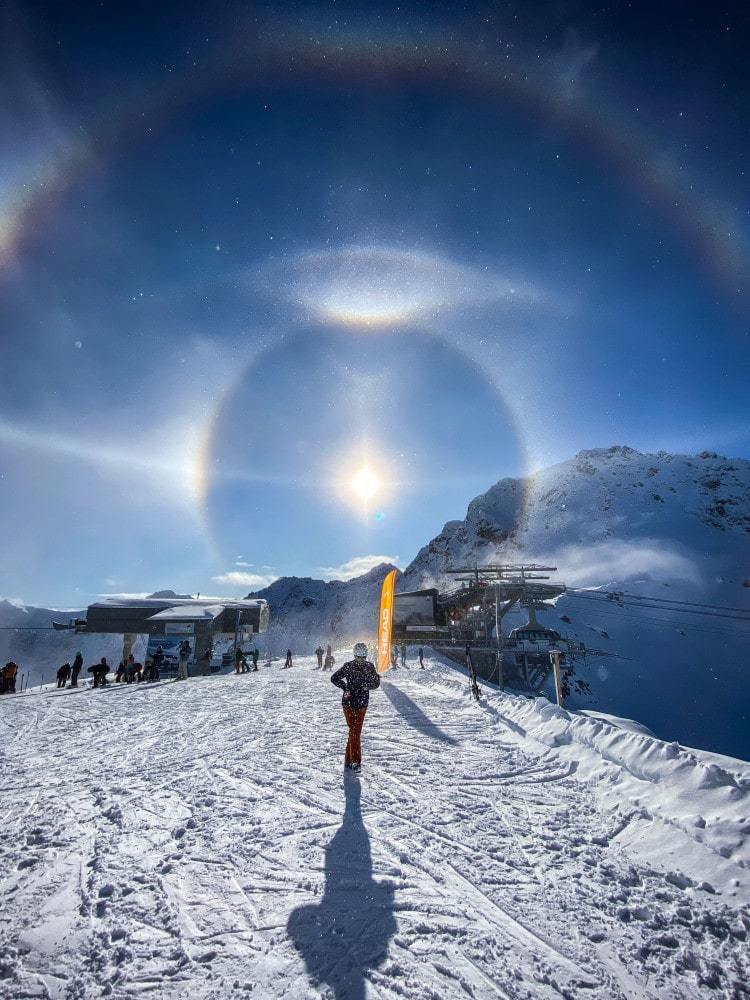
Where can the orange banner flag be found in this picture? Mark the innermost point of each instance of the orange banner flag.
(385, 621)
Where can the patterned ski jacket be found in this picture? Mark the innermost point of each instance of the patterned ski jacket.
(357, 678)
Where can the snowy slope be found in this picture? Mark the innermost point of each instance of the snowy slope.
(198, 840)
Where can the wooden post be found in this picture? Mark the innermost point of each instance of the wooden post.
(555, 657)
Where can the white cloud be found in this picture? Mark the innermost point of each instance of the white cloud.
(599, 565)
(357, 566)
(128, 596)
(235, 578)
(239, 562)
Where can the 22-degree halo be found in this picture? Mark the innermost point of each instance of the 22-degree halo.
(232, 461)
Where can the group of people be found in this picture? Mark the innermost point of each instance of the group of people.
(129, 670)
(241, 665)
(395, 650)
(328, 662)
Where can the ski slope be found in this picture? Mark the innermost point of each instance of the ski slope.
(199, 840)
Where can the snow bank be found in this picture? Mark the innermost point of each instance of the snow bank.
(703, 799)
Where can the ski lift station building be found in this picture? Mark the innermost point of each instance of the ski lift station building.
(201, 621)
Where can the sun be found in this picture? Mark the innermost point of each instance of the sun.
(365, 484)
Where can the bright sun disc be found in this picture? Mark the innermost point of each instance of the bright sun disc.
(365, 484)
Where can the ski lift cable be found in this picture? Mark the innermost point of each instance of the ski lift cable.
(684, 606)
(663, 607)
(618, 594)
(623, 615)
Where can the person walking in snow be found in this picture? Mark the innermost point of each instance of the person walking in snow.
(62, 675)
(238, 661)
(76, 669)
(356, 679)
(421, 657)
(288, 661)
(256, 655)
(329, 660)
(403, 654)
(319, 653)
(183, 654)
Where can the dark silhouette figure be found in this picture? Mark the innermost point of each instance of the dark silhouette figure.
(76, 669)
(288, 662)
(421, 657)
(62, 675)
(100, 671)
(347, 933)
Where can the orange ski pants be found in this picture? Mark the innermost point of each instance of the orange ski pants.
(355, 718)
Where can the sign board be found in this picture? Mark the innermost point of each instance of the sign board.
(179, 628)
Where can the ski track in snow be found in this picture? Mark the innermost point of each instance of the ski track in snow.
(199, 840)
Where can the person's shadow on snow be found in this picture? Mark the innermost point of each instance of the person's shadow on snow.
(347, 933)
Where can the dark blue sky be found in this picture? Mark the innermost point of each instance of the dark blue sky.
(245, 252)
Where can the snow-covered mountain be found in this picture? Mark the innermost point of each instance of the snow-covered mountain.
(613, 515)
(666, 525)
(673, 526)
(654, 524)
(305, 612)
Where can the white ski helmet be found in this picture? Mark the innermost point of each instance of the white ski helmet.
(360, 649)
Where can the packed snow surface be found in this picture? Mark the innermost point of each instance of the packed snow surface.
(200, 840)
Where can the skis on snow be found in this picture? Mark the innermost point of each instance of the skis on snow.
(473, 686)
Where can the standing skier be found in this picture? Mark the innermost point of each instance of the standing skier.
(356, 678)
(329, 660)
(256, 654)
(288, 662)
(319, 653)
(421, 657)
(183, 654)
(157, 662)
(76, 669)
(403, 654)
